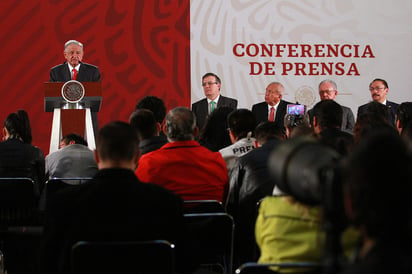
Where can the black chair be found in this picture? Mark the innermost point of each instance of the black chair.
(56, 184)
(203, 206)
(210, 235)
(18, 202)
(293, 267)
(20, 224)
(155, 256)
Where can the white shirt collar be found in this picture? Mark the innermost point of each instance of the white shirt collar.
(275, 106)
(216, 100)
(76, 67)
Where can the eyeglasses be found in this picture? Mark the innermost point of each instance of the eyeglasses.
(326, 91)
(208, 83)
(376, 88)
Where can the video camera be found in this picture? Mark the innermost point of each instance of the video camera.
(295, 115)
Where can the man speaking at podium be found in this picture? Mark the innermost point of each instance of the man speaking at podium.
(73, 68)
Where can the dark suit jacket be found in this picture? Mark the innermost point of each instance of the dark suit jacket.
(87, 73)
(250, 181)
(348, 120)
(260, 110)
(113, 206)
(392, 111)
(200, 108)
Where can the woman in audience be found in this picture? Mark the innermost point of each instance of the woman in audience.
(18, 158)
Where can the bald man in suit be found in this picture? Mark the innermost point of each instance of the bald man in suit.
(273, 98)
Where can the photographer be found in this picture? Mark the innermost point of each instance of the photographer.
(293, 225)
(297, 125)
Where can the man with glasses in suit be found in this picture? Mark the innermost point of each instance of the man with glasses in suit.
(211, 86)
(379, 89)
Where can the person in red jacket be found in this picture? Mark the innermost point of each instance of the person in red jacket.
(184, 166)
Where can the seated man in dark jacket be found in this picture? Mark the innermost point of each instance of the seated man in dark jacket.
(250, 182)
(113, 206)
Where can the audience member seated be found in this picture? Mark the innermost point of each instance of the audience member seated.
(327, 121)
(403, 120)
(241, 124)
(157, 106)
(113, 206)
(376, 202)
(18, 158)
(183, 165)
(214, 135)
(296, 126)
(148, 129)
(73, 159)
(291, 227)
(250, 182)
(289, 231)
(375, 117)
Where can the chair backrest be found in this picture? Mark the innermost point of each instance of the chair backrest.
(203, 206)
(155, 256)
(18, 202)
(211, 237)
(56, 184)
(270, 268)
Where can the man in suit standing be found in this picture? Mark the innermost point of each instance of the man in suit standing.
(73, 68)
(211, 86)
(379, 89)
(274, 108)
(328, 90)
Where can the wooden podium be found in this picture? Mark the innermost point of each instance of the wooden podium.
(72, 117)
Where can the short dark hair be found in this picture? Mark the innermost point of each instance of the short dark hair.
(378, 109)
(404, 113)
(74, 137)
(155, 104)
(117, 141)
(383, 82)
(265, 131)
(241, 121)
(180, 124)
(144, 122)
(328, 114)
(214, 75)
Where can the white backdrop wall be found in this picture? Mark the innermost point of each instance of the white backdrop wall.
(373, 38)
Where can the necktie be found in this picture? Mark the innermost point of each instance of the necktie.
(272, 114)
(74, 74)
(212, 106)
